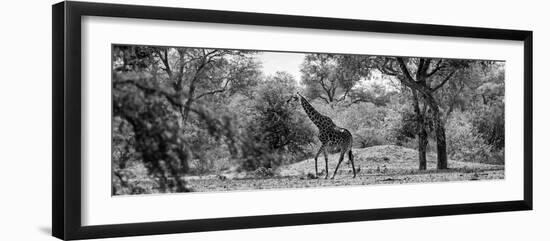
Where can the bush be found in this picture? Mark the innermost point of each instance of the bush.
(276, 132)
(464, 143)
(258, 158)
(488, 120)
(133, 179)
(400, 125)
(209, 152)
(129, 174)
(367, 122)
(154, 126)
(369, 136)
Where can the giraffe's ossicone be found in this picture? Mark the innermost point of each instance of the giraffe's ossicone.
(330, 135)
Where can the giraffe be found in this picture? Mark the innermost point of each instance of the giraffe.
(330, 136)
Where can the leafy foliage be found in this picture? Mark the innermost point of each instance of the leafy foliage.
(326, 76)
(278, 131)
(155, 89)
(488, 121)
(157, 136)
(464, 142)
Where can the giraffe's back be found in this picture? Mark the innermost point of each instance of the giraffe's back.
(336, 137)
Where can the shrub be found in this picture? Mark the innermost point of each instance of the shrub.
(488, 120)
(276, 132)
(133, 179)
(368, 136)
(400, 125)
(209, 152)
(367, 122)
(464, 143)
(129, 174)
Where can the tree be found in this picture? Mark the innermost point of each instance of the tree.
(421, 128)
(425, 76)
(156, 88)
(276, 131)
(326, 76)
(376, 93)
(200, 73)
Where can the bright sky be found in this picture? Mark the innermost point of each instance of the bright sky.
(290, 62)
(276, 61)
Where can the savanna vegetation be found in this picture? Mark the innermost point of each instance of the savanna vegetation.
(180, 114)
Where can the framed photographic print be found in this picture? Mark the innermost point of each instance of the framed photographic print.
(170, 120)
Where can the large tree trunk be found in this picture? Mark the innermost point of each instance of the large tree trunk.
(439, 133)
(419, 84)
(441, 143)
(421, 132)
(422, 144)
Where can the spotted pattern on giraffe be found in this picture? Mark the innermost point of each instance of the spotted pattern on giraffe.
(330, 135)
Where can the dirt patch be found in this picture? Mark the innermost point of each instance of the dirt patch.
(386, 164)
(380, 159)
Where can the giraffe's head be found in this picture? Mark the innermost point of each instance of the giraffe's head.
(294, 98)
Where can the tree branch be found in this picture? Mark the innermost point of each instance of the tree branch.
(173, 99)
(223, 89)
(424, 70)
(360, 100)
(443, 81)
(388, 70)
(422, 67)
(164, 60)
(438, 66)
(404, 69)
(410, 82)
(325, 88)
(345, 95)
(325, 99)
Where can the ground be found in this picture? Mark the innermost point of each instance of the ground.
(386, 164)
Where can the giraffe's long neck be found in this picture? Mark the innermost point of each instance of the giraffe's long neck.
(313, 115)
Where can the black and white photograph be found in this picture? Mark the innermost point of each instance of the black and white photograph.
(195, 119)
(275, 120)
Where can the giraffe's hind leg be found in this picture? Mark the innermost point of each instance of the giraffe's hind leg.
(339, 161)
(317, 156)
(351, 159)
(326, 163)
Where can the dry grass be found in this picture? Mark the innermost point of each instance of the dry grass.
(375, 165)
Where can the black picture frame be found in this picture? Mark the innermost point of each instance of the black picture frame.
(66, 129)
